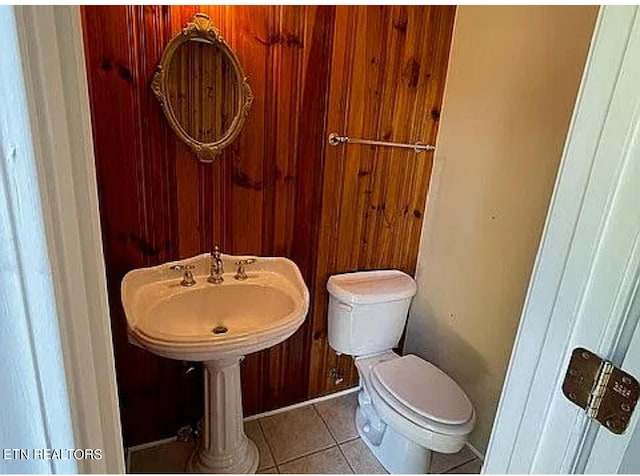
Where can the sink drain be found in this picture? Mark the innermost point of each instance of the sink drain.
(220, 330)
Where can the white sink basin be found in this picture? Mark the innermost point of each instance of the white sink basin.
(216, 324)
(178, 322)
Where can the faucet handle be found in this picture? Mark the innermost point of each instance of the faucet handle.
(241, 274)
(181, 267)
(187, 279)
(246, 261)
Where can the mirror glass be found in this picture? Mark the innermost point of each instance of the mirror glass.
(203, 90)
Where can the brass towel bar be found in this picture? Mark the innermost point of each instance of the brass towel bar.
(335, 139)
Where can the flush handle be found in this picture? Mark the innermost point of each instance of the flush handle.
(336, 373)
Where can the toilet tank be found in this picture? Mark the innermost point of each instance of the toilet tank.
(368, 310)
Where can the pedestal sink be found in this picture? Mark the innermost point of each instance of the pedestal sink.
(217, 324)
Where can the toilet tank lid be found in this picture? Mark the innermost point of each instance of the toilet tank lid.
(369, 287)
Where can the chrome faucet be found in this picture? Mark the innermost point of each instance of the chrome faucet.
(217, 267)
(187, 279)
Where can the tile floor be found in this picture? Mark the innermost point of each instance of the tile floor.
(319, 438)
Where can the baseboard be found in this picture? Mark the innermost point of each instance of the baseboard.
(151, 444)
(479, 454)
(303, 404)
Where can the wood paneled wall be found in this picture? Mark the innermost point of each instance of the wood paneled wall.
(388, 73)
(280, 189)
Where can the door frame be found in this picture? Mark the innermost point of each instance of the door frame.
(53, 63)
(534, 430)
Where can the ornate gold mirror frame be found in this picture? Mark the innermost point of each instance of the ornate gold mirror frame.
(202, 28)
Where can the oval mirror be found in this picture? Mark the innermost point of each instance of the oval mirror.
(202, 89)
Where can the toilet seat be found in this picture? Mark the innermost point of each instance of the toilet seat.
(428, 432)
(423, 389)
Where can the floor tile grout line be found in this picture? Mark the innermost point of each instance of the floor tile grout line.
(367, 450)
(346, 459)
(307, 454)
(357, 437)
(273, 456)
(457, 465)
(468, 459)
(460, 465)
(326, 422)
(326, 425)
(266, 441)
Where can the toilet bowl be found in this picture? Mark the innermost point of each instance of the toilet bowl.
(407, 407)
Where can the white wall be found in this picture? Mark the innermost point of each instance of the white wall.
(57, 384)
(57, 99)
(512, 83)
(34, 409)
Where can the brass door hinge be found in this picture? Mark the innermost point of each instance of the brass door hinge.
(606, 393)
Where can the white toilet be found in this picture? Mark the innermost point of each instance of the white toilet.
(407, 407)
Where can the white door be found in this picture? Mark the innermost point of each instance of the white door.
(584, 286)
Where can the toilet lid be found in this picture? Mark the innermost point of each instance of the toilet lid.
(425, 389)
(371, 287)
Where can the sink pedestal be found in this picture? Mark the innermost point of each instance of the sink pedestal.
(224, 447)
